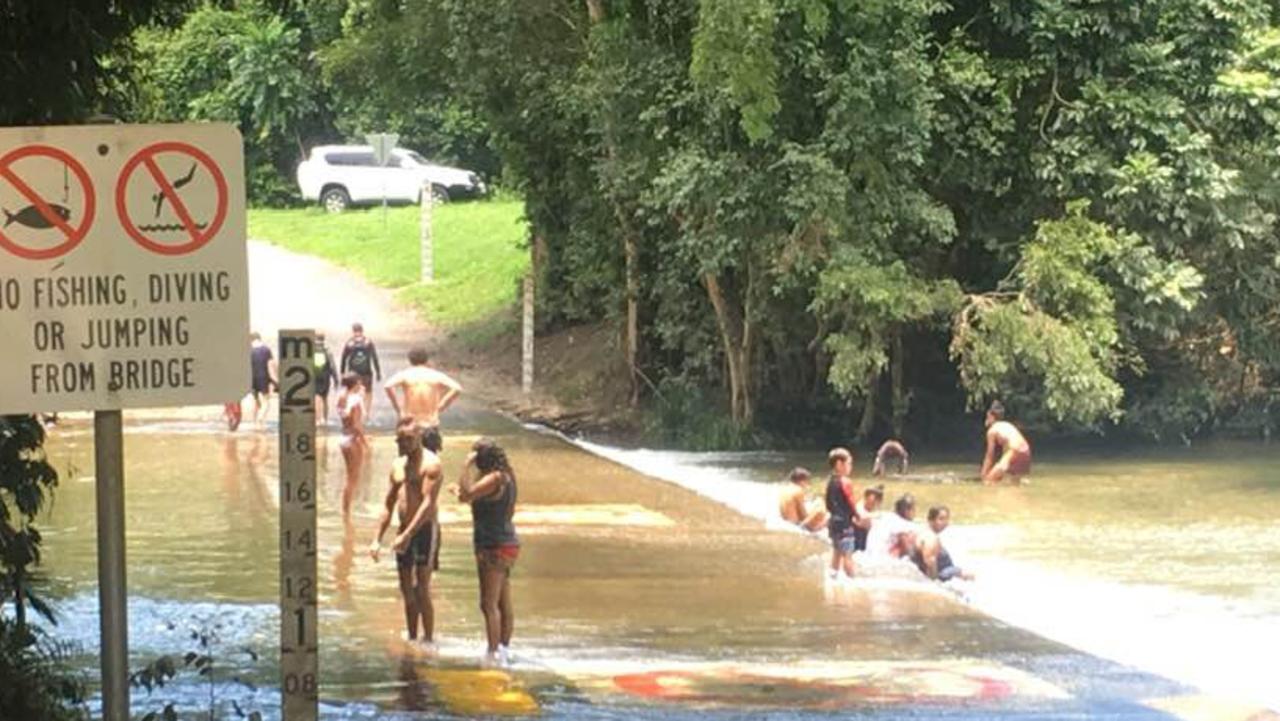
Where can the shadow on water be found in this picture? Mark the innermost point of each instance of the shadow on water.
(634, 597)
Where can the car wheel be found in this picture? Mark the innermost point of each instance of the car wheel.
(335, 199)
(439, 194)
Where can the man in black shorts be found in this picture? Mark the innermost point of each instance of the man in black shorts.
(416, 477)
(359, 356)
(262, 367)
(326, 377)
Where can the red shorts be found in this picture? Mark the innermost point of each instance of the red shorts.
(501, 558)
(1018, 464)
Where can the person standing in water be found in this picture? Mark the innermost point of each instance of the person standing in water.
(416, 477)
(793, 503)
(326, 377)
(262, 371)
(426, 391)
(353, 443)
(489, 485)
(360, 356)
(1007, 444)
(891, 451)
(841, 502)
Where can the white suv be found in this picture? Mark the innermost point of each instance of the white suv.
(342, 175)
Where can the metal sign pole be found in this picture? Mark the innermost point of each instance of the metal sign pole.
(299, 644)
(113, 605)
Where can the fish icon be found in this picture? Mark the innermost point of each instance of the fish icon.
(31, 216)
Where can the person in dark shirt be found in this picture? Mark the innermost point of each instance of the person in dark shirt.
(489, 485)
(841, 500)
(360, 356)
(326, 377)
(262, 367)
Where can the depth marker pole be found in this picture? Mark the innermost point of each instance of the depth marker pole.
(299, 640)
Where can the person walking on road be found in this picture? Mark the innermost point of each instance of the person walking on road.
(354, 445)
(425, 391)
(489, 485)
(360, 356)
(326, 377)
(262, 365)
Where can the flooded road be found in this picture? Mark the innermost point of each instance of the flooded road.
(636, 597)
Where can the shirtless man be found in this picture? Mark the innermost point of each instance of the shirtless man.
(427, 391)
(793, 506)
(929, 555)
(416, 478)
(867, 509)
(891, 451)
(1014, 451)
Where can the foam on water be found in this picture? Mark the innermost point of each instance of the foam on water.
(1220, 645)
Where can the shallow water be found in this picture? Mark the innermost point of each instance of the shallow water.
(641, 598)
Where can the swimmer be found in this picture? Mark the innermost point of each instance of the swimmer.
(489, 485)
(867, 509)
(426, 391)
(891, 450)
(929, 555)
(841, 501)
(1006, 441)
(415, 480)
(793, 506)
(354, 445)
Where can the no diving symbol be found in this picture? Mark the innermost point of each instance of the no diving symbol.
(39, 216)
(160, 209)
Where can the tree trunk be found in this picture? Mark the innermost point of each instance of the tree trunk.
(868, 421)
(735, 334)
(901, 399)
(630, 247)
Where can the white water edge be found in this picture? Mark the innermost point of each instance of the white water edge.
(1218, 645)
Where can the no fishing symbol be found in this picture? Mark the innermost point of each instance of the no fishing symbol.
(171, 198)
(34, 220)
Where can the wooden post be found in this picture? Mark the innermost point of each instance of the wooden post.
(526, 366)
(299, 640)
(424, 229)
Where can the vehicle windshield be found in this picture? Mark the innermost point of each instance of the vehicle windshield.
(417, 158)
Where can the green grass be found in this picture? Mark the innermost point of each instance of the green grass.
(480, 253)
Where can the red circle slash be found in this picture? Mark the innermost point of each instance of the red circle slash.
(73, 235)
(198, 236)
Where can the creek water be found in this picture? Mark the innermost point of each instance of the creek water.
(1107, 588)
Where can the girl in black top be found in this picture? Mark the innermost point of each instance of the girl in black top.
(491, 491)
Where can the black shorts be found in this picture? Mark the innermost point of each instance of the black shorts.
(423, 549)
(261, 386)
(366, 381)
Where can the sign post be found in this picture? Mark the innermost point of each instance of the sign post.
(299, 646)
(383, 144)
(125, 273)
(426, 247)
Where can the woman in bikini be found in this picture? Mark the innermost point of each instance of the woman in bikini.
(353, 443)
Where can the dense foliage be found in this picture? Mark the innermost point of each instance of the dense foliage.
(918, 205)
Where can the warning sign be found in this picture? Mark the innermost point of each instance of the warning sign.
(141, 307)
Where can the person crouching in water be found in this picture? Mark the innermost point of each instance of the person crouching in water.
(929, 555)
(491, 491)
(793, 503)
(867, 509)
(841, 501)
(891, 452)
(416, 476)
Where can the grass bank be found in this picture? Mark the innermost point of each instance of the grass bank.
(480, 255)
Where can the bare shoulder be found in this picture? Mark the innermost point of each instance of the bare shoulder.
(431, 465)
(397, 470)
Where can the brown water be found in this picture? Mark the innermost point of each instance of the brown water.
(729, 616)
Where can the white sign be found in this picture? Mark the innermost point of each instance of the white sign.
(383, 144)
(123, 267)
